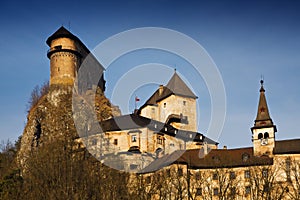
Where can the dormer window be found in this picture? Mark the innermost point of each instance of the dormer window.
(133, 138)
(245, 157)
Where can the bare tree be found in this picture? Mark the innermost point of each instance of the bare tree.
(293, 178)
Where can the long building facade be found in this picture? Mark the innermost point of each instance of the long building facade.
(270, 169)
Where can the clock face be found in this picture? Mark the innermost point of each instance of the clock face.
(264, 141)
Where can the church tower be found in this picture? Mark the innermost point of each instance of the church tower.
(263, 131)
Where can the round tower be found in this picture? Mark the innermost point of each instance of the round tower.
(64, 55)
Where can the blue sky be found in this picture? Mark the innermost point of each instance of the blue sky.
(246, 39)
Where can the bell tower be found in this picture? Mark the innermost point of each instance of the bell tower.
(263, 131)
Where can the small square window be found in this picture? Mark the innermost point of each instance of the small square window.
(180, 172)
(266, 188)
(160, 140)
(199, 192)
(265, 173)
(94, 142)
(168, 172)
(133, 167)
(215, 176)
(247, 174)
(288, 169)
(133, 138)
(233, 191)
(216, 191)
(248, 190)
(232, 175)
(197, 176)
(148, 179)
(115, 141)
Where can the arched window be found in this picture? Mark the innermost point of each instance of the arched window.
(260, 136)
(266, 135)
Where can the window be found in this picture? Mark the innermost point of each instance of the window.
(180, 172)
(94, 142)
(160, 140)
(115, 141)
(133, 167)
(266, 188)
(266, 135)
(199, 192)
(216, 191)
(133, 138)
(288, 169)
(165, 105)
(232, 175)
(197, 176)
(265, 173)
(184, 103)
(245, 157)
(247, 190)
(215, 176)
(260, 136)
(247, 174)
(233, 191)
(148, 179)
(168, 172)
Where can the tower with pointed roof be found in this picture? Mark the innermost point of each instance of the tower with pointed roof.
(263, 131)
(173, 104)
(66, 55)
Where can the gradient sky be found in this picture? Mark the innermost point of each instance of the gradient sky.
(246, 39)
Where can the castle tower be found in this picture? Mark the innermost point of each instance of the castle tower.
(263, 131)
(173, 104)
(64, 57)
(66, 54)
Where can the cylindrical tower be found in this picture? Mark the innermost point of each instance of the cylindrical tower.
(65, 57)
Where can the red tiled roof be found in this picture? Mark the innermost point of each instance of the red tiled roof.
(216, 158)
(287, 147)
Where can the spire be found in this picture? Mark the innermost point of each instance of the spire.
(263, 118)
(177, 86)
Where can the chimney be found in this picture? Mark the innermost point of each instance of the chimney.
(161, 89)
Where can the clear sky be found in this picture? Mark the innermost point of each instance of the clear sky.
(246, 39)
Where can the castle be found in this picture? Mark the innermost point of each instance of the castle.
(162, 134)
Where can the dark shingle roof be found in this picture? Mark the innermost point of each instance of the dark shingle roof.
(135, 122)
(175, 86)
(263, 118)
(61, 32)
(287, 147)
(216, 158)
(178, 87)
